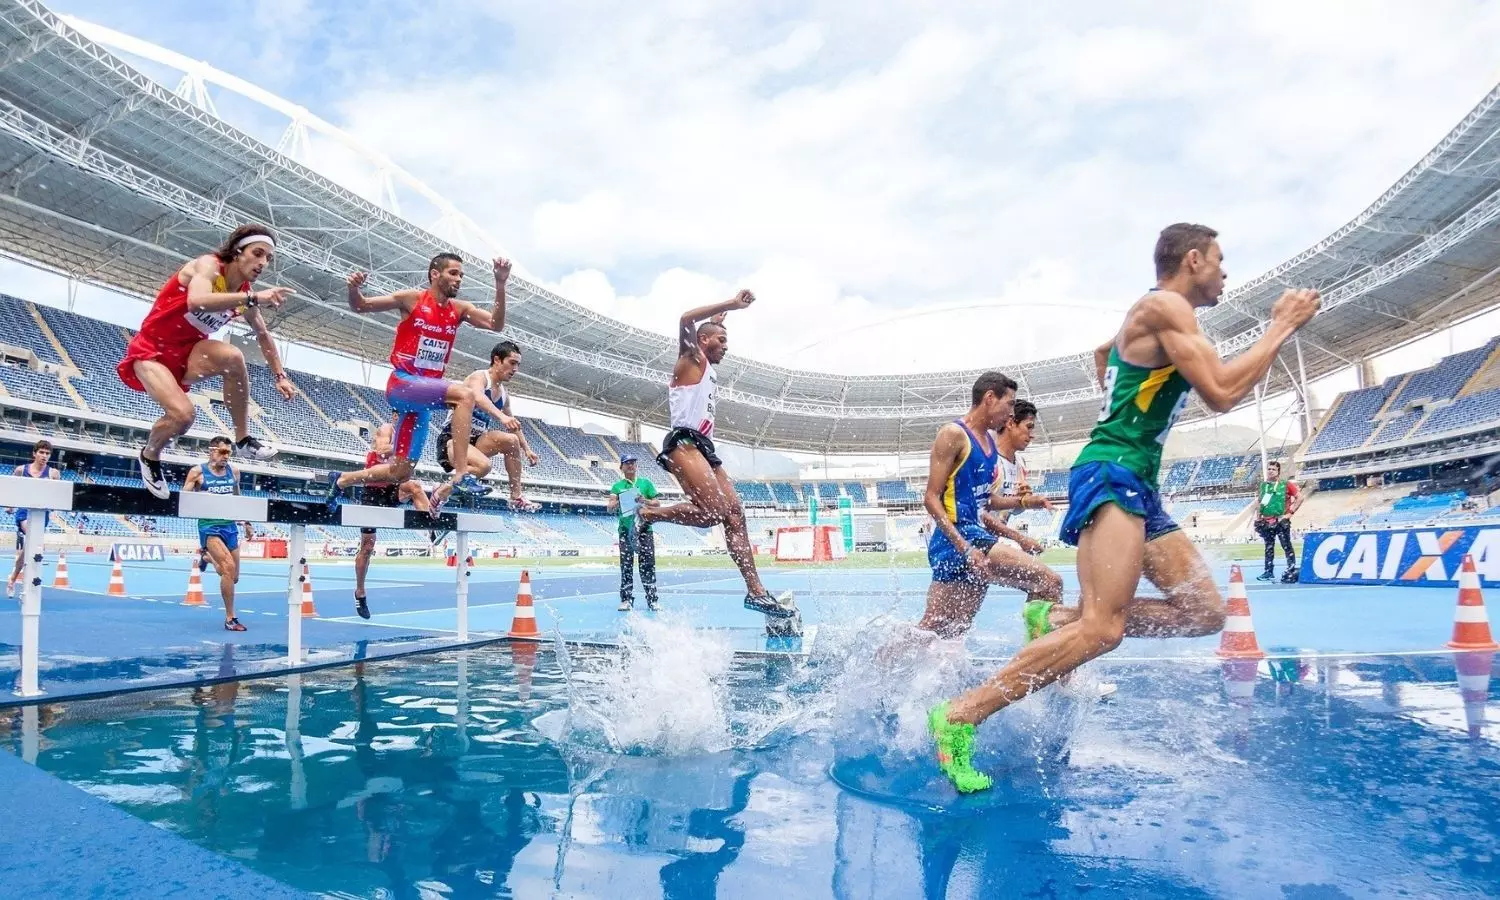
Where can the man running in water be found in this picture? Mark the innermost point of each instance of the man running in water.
(688, 450)
(41, 452)
(492, 430)
(1115, 516)
(419, 356)
(220, 538)
(375, 493)
(174, 348)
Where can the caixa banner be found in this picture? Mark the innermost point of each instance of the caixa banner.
(1424, 557)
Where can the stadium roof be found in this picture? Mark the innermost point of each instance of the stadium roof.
(107, 176)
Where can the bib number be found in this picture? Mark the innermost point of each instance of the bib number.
(209, 322)
(432, 354)
(1110, 375)
(1177, 408)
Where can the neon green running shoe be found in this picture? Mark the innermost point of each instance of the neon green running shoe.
(955, 751)
(1037, 616)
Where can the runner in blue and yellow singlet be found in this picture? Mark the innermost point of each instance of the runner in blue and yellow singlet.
(1115, 516)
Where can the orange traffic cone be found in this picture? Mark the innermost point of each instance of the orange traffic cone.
(117, 581)
(308, 609)
(523, 625)
(1471, 624)
(1239, 679)
(195, 585)
(1238, 638)
(523, 657)
(60, 580)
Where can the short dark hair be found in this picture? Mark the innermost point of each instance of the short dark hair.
(504, 349)
(230, 248)
(706, 327)
(1275, 463)
(1024, 410)
(42, 444)
(218, 440)
(439, 262)
(1176, 241)
(992, 381)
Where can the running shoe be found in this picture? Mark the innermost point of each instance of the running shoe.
(250, 448)
(625, 606)
(362, 606)
(335, 493)
(1291, 576)
(521, 504)
(473, 486)
(233, 625)
(152, 477)
(1036, 614)
(652, 604)
(781, 607)
(1267, 575)
(955, 751)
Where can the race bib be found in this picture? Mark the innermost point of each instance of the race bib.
(432, 354)
(208, 323)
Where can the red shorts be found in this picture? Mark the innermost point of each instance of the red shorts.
(142, 346)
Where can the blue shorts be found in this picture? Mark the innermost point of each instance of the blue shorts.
(1093, 484)
(229, 534)
(948, 565)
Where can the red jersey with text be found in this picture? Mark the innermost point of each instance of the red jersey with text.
(424, 339)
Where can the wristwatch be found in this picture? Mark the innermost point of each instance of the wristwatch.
(250, 300)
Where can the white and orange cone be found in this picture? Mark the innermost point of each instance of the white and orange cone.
(195, 586)
(60, 580)
(523, 625)
(523, 657)
(117, 581)
(1474, 686)
(1238, 638)
(308, 610)
(1471, 623)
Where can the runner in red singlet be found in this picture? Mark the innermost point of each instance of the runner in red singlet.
(376, 493)
(175, 348)
(419, 356)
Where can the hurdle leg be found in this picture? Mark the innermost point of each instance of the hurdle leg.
(31, 605)
(295, 560)
(294, 741)
(461, 545)
(31, 732)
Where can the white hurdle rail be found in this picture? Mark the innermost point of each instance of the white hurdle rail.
(40, 496)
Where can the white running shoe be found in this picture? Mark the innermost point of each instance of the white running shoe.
(250, 448)
(152, 477)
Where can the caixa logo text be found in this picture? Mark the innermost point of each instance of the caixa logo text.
(1417, 557)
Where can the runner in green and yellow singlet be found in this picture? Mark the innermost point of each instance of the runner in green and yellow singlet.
(1115, 516)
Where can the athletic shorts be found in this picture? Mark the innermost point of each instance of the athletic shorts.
(229, 534)
(444, 437)
(379, 495)
(679, 436)
(145, 347)
(415, 398)
(1093, 484)
(948, 565)
(21, 520)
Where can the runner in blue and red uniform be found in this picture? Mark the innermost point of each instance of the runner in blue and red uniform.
(419, 356)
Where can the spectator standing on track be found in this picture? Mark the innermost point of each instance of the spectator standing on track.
(625, 497)
(1276, 503)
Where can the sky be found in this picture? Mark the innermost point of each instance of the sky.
(907, 186)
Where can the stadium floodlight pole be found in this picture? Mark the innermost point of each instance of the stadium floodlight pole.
(1307, 419)
(1260, 418)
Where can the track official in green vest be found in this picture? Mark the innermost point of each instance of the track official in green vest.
(1276, 502)
(625, 497)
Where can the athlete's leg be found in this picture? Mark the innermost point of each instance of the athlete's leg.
(362, 562)
(737, 535)
(228, 568)
(477, 460)
(1190, 605)
(509, 445)
(412, 492)
(1109, 568)
(177, 410)
(15, 573)
(951, 607)
(210, 358)
(706, 504)
(1010, 567)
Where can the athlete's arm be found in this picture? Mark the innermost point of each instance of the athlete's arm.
(267, 343)
(201, 296)
(941, 465)
(194, 479)
(402, 300)
(494, 318)
(1222, 385)
(1101, 360)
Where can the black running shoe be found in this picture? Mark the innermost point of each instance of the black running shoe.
(362, 606)
(781, 607)
(250, 448)
(152, 477)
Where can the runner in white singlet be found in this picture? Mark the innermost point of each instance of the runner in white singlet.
(688, 451)
(492, 430)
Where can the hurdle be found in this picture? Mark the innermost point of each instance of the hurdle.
(40, 496)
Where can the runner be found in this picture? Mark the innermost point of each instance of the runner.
(419, 356)
(493, 429)
(1278, 501)
(220, 538)
(688, 450)
(41, 453)
(175, 349)
(1115, 516)
(375, 493)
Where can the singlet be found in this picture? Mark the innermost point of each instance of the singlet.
(22, 512)
(692, 405)
(1009, 478)
(967, 492)
(218, 484)
(1140, 407)
(424, 339)
(481, 422)
(171, 322)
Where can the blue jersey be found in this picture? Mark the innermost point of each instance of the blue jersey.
(21, 511)
(217, 484)
(967, 492)
(481, 421)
